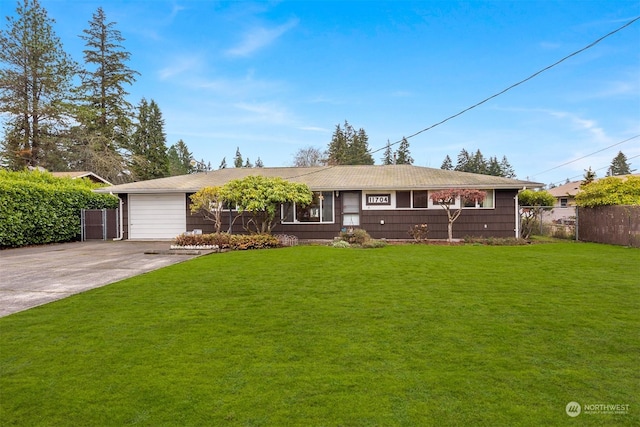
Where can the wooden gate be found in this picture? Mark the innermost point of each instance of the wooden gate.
(99, 224)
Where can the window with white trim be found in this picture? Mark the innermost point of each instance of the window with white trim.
(319, 210)
(487, 203)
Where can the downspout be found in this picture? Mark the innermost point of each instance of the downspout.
(120, 219)
(517, 229)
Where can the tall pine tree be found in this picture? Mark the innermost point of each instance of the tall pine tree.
(103, 86)
(148, 145)
(619, 165)
(447, 164)
(348, 147)
(179, 159)
(403, 155)
(35, 88)
(237, 160)
(104, 113)
(387, 156)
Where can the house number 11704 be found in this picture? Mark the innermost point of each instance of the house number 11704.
(382, 199)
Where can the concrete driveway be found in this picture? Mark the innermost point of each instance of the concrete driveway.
(33, 276)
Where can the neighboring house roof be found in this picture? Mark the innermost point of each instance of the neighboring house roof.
(390, 177)
(81, 174)
(569, 189)
(572, 188)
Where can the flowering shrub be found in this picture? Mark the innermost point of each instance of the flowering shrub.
(228, 241)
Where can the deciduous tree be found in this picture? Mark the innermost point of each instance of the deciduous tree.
(610, 191)
(309, 156)
(261, 197)
(209, 202)
(448, 198)
(532, 204)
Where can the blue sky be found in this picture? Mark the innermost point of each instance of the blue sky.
(274, 77)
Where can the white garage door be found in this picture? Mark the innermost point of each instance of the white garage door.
(157, 216)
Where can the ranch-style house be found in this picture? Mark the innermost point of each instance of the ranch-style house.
(386, 201)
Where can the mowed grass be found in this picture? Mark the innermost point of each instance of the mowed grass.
(318, 336)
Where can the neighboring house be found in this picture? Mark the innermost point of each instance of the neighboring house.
(384, 200)
(82, 174)
(565, 194)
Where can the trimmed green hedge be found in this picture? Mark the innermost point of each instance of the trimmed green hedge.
(38, 208)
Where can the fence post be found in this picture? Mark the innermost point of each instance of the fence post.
(82, 225)
(577, 209)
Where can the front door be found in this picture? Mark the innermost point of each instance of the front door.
(350, 209)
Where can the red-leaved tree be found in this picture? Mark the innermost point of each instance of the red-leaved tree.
(447, 199)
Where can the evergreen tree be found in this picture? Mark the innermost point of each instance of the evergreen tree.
(259, 163)
(337, 152)
(237, 161)
(493, 167)
(106, 109)
(148, 146)
(619, 165)
(359, 153)
(35, 87)
(447, 164)
(223, 163)
(506, 169)
(348, 147)
(403, 156)
(477, 164)
(589, 176)
(464, 159)
(247, 164)
(387, 157)
(179, 159)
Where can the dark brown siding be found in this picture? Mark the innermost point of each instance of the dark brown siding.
(500, 222)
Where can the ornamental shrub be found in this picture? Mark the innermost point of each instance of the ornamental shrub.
(355, 237)
(229, 241)
(37, 208)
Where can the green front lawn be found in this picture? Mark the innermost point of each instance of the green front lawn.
(317, 336)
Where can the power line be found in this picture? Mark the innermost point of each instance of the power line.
(595, 170)
(585, 156)
(590, 45)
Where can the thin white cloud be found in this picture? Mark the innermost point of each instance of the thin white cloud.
(179, 65)
(590, 126)
(314, 129)
(260, 37)
(263, 113)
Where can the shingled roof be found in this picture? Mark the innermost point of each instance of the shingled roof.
(343, 178)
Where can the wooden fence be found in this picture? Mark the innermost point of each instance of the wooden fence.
(615, 225)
